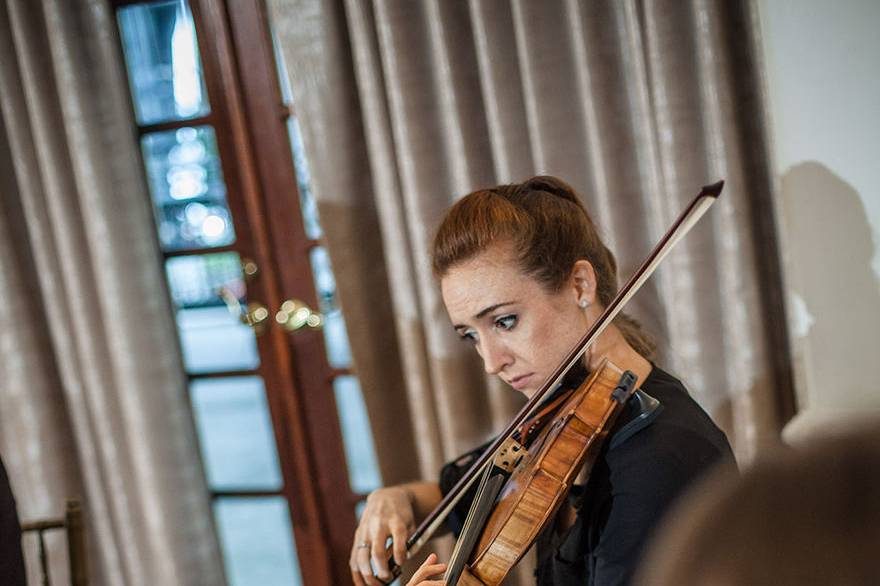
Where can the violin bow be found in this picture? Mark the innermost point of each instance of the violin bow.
(683, 224)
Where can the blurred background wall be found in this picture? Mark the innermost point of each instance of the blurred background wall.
(823, 95)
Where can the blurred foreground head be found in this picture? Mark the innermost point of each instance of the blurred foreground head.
(804, 517)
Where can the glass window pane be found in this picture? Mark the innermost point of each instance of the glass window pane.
(235, 429)
(186, 183)
(257, 541)
(213, 340)
(281, 70)
(336, 340)
(195, 281)
(335, 336)
(304, 181)
(164, 68)
(363, 469)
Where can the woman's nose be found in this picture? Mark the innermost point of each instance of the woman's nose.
(495, 357)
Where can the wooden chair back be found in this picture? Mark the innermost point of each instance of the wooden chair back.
(72, 523)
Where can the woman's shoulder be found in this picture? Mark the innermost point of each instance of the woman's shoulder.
(680, 438)
(662, 381)
(680, 408)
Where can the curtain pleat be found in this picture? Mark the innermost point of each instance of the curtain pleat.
(96, 406)
(637, 104)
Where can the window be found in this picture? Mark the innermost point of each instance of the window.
(242, 250)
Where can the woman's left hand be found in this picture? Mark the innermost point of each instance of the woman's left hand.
(429, 568)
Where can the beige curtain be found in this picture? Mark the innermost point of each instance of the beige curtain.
(406, 106)
(92, 395)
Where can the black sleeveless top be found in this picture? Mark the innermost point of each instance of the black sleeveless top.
(653, 453)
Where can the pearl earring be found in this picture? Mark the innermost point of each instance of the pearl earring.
(583, 304)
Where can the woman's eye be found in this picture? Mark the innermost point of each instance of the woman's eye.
(469, 336)
(505, 322)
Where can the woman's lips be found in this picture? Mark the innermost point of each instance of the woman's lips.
(520, 382)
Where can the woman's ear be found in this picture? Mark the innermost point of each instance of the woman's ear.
(583, 283)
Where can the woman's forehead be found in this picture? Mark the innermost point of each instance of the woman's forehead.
(495, 263)
(487, 279)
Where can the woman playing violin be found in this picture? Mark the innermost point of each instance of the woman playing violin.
(523, 274)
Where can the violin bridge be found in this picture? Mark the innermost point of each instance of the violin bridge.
(509, 455)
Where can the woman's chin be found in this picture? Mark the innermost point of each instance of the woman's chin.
(528, 392)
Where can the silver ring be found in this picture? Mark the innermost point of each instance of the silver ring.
(363, 545)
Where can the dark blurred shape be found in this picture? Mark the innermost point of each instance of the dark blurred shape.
(801, 517)
(11, 558)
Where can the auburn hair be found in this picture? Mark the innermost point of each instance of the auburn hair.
(549, 229)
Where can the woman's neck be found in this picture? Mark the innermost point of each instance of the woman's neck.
(612, 345)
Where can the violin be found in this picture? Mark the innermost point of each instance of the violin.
(526, 473)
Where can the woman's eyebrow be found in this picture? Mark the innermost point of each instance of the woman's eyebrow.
(492, 308)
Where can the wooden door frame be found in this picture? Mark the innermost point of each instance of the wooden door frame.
(268, 114)
(302, 401)
(296, 459)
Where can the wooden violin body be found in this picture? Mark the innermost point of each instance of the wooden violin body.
(541, 480)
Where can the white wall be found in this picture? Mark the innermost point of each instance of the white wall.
(822, 68)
